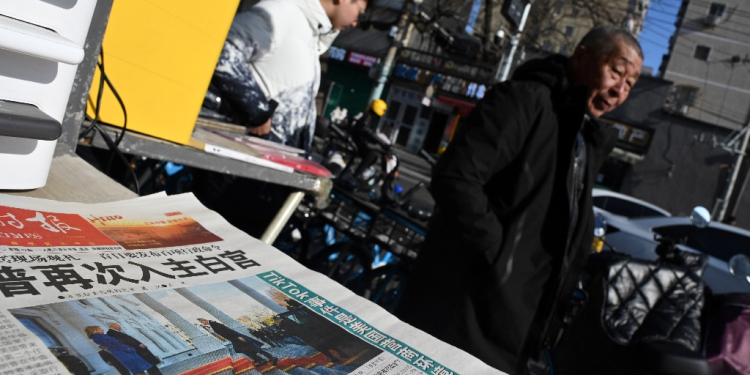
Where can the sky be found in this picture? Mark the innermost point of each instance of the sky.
(657, 29)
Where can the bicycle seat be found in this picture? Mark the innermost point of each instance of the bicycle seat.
(585, 348)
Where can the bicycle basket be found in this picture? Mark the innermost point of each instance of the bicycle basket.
(347, 216)
(398, 234)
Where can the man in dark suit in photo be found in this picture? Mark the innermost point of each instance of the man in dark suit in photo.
(115, 330)
(241, 343)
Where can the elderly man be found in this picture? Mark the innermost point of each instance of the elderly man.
(514, 220)
(115, 330)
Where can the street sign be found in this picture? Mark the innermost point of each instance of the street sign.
(513, 10)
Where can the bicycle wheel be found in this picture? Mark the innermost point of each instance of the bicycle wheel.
(347, 263)
(386, 285)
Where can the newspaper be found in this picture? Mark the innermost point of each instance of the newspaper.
(162, 285)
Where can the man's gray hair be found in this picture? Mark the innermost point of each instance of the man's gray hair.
(602, 40)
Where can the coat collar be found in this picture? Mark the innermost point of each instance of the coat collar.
(569, 100)
(319, 23)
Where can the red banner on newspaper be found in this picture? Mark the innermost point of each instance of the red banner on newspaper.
(30, 228)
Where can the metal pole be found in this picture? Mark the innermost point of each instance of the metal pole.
(514, 44)
(735, 172)
(76, 108)
(487, 24)
(328, 97)
(737, 201)
(282, 217)
(387, 63)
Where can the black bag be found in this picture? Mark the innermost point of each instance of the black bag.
(640, 317)
(648, 301)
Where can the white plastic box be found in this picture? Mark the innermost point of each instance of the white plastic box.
(41, 45)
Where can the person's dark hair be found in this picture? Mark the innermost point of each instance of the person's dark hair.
(602, 40)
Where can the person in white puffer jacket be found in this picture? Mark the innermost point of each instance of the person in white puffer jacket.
(269, 73)
(269, 69)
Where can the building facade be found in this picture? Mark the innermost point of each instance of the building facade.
(709, 63)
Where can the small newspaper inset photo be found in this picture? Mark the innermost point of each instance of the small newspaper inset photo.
(166, 230)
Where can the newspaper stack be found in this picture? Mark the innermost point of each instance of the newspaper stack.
(161, 285)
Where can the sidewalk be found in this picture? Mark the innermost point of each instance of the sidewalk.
(412, 170)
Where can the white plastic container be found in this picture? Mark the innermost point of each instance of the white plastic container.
(41, 45)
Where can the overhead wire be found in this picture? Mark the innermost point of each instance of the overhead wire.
(687, 37)
(723, 28)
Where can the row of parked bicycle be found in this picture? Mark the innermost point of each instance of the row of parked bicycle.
(368, 235)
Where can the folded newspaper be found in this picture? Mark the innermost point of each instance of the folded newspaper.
(162, 285)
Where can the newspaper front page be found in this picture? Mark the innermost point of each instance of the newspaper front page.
(162, 285)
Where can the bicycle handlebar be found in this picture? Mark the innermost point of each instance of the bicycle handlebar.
(340, 133)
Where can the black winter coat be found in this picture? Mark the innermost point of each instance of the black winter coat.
(495, 257)
(248, 346)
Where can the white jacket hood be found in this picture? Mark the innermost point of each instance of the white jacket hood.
(319, 23)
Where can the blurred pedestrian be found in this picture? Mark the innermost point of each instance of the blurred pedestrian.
(272, 54)
(269, 73)
(243, 344)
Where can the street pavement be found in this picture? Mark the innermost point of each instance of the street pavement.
(413, 169)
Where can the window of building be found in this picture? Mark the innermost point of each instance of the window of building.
(681, 98)
(686, 94)
(717, 9)
(702, 52)
(569, 31)
(410, 114)
(425, 112)
(393, 110)
(558, 10)
(546, 45)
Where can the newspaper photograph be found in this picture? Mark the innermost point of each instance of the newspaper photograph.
(163, 285)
